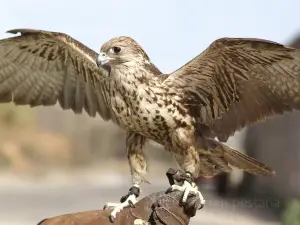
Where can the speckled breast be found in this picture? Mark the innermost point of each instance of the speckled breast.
(150, 117)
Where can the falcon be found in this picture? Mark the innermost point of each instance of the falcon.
(233, 83)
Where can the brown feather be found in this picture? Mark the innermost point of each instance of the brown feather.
(233, 83)
(216, 157)
(236, 82)
(43, 68)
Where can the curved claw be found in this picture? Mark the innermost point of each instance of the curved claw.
(201, 206)
(169, 190)
(128, 200)
(118, 207)
(109, 205)
(131, 204)
(189, 188)
(111, 219)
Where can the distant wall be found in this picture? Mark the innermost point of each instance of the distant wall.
(276, 142)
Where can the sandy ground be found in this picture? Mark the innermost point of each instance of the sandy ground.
(26, 202)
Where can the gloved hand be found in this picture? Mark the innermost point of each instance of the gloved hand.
(161, 208)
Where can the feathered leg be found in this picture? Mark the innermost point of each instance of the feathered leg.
(183, 146)
(138, 168)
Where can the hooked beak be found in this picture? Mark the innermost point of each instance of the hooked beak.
(102, 59)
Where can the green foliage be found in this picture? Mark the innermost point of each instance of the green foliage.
(4, 161)
(291, 214)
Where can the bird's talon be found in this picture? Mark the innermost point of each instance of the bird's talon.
(189, 188)
(201, 206)
(111, 219)
(118, 207)
(169, 190)
(131, 204)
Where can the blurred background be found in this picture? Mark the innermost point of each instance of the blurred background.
(54, 162)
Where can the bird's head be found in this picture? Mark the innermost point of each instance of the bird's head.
(121, 50)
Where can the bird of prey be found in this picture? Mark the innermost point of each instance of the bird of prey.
(233, 83)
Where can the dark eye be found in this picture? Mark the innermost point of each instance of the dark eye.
(116, 49)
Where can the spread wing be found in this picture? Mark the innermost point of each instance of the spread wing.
(236, 82)
(43, 68)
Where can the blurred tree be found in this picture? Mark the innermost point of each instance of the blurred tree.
(291, 214)
(11, 116)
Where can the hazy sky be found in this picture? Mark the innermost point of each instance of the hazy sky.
(172, 32)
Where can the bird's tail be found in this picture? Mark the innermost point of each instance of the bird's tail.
(218, 157)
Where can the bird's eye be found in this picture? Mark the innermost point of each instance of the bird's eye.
(116, 49)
